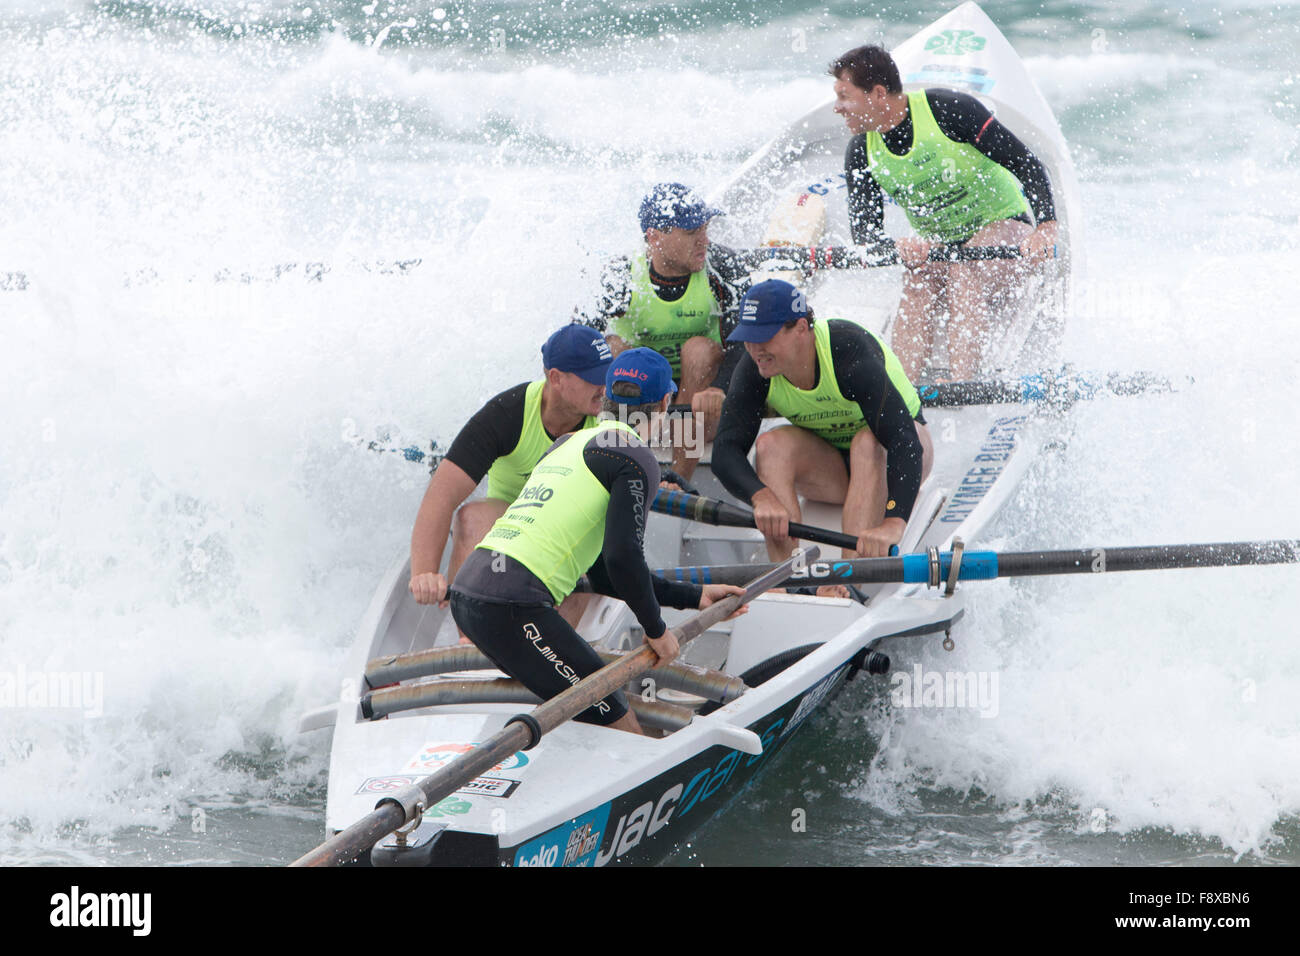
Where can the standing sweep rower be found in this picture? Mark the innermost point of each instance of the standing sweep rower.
(679, 298)
(857, 437)
(582, 511)
(962, 178)
(504, 440)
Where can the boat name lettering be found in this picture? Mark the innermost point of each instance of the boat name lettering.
(646, 820)
(994, 452)
(811, 699)
(653, 815)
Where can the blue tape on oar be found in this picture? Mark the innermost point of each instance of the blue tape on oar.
(1033, 388)
(975, 566)
(916, 569)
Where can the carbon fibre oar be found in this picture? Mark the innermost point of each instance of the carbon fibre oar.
(935, 567)
(524, 730)
(1060, 389)
(680, 504)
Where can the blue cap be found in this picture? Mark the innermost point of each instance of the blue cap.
(645, 368)
(674, 206)
(579, 349)
(765, 308)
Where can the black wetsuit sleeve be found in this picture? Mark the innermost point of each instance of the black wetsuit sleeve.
(865, 199)
(964, 119)
(729, 281)
(491, 433)
(629, 470)
(860, 372)
(612, 296)
(742, 415)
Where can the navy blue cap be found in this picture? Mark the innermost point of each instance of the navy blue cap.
(765, 308)
(644, 368)
(579, 349)
(674, 206)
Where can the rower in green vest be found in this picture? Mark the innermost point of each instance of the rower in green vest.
(503, 441)
(582, 512)
(857, 436)
(678, 296)
(961, 177)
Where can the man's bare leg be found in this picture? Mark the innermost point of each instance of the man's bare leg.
(864, 503)
(920, 309)
(701, 359)
(792, 461)
(972, 286)
(629, 723)
(573, 607)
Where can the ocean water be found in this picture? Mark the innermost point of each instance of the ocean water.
(187, 521)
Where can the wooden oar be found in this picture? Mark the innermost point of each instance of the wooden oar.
(524, 730)
(935, 567)
(815, 258)
(680, 504)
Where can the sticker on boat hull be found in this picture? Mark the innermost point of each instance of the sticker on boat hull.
(571, 844)
(433, 757)
(962, 77)
(480, 786)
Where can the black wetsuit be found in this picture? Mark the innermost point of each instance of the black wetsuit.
(963, 119)
(507, 611)
(492, 433)
(861, 376)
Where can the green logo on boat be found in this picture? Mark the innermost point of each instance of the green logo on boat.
(954, 43)
(449, 806)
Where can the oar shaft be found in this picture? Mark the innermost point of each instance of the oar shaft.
(1060, 388)
(989, 565)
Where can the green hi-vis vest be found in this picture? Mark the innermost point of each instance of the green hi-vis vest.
(824, 410)
(556, 527)
(651, 322)
(950, 191)
(509, 472)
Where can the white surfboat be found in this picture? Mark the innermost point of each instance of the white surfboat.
(588, 795)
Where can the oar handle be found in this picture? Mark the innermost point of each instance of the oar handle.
(682, 504)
